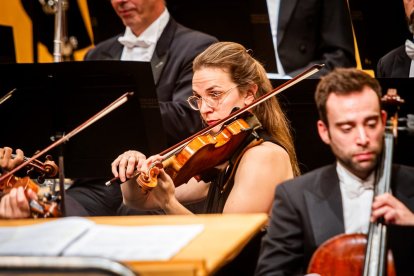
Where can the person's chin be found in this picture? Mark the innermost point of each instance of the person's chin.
(365, 167)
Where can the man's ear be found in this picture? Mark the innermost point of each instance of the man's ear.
(250, 94)
(323, 132)
(384, 117)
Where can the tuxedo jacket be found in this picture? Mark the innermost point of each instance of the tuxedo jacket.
(313, 32)
(171, 66)
(395, 64)
(307, 211)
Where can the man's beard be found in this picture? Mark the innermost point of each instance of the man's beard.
(410, 21)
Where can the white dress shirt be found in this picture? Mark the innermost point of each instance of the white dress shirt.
(357, 196)
(409, 48)
(142, 48)
(273, 11)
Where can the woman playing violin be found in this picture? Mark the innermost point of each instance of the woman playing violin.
(225, 77)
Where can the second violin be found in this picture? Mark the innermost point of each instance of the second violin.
(44, 206)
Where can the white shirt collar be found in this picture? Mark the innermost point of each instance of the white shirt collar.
(142, 48)
(356, 197)
(352, 184)
(154, 31)
(149, 36)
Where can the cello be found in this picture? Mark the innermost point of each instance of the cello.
(360, 254)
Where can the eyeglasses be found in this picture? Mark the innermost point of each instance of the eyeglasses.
(212, 100)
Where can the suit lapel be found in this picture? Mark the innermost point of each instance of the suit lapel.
(161, 52)
(285, 14)
(114, 52)
(324, 205)
(402, 63)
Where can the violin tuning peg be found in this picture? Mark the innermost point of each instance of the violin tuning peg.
(29, 170)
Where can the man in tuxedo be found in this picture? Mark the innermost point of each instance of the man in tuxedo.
(152, 35)
(311, 32)
(399, 63)
(337, 198)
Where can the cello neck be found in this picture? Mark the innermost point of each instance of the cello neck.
(376, 251)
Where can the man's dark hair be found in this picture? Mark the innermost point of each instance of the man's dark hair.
(343, 81)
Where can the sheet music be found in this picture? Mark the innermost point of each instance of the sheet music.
(43, 239)
(144, 243)
(77, 236)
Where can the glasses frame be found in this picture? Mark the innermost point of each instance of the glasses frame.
(212, 103)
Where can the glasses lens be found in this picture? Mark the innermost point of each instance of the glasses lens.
(194, 102)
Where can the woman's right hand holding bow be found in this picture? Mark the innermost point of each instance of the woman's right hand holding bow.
(127, 164)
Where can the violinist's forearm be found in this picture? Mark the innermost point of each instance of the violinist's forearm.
(135, 197)
(174, 207)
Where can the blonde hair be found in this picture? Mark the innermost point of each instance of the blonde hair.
(244, 70)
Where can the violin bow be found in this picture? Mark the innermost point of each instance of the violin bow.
(108, 109)
(177, 147)
(305, 74)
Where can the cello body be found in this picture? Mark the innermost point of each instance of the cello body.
(344, 255)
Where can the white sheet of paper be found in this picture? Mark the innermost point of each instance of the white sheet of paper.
(76, 236)
(140, 243)
(43, 239)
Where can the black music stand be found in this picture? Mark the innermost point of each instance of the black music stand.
(52, 98)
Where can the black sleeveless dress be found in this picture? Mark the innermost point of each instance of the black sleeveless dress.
(222, 184)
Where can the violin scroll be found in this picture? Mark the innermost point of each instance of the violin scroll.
(47, 169)
(147, 181)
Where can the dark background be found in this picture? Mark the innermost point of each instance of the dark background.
(380, 25)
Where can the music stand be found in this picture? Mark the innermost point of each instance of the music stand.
(52, 98)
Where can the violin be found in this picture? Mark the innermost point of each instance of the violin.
(360, 254)
(202, 151)
(47, 206)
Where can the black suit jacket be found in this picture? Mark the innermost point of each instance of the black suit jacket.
(172, 71)
(313, 32)
(308, 211)
(395, 64)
